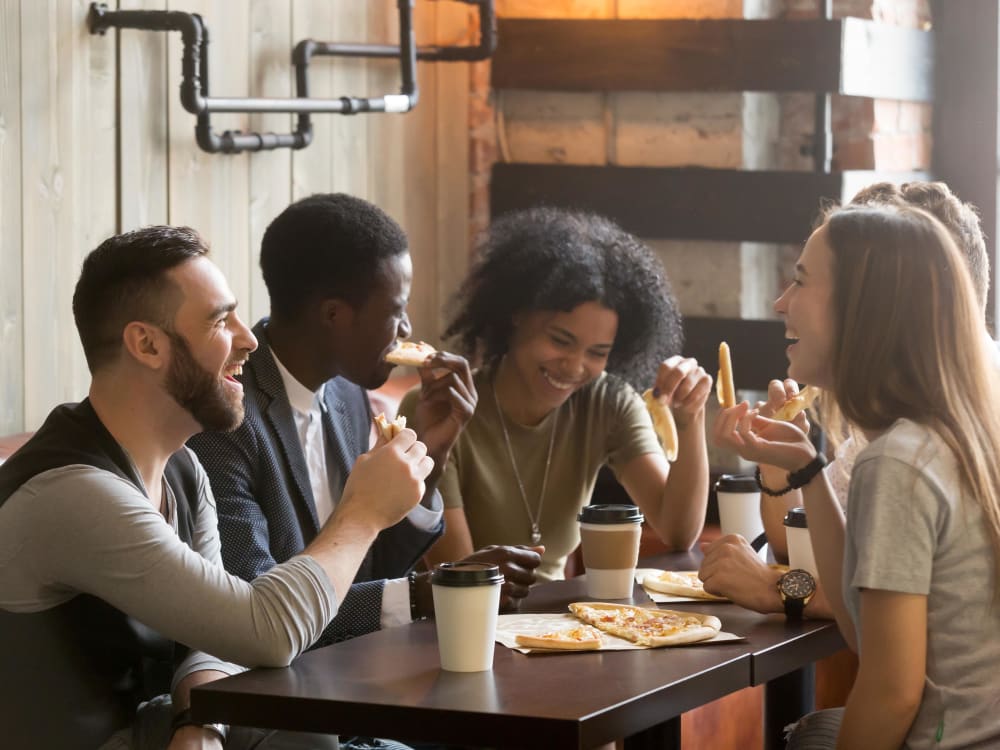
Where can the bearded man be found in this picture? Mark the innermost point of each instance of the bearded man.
(110, 550)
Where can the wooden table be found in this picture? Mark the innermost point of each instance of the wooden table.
(389, 683)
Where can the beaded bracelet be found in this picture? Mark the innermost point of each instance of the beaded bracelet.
(767, 490)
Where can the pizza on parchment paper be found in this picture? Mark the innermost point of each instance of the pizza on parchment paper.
(679, 583)
(647, 627)
(582, 638)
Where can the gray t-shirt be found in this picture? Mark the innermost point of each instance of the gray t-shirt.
(910, 530)
(78, 529)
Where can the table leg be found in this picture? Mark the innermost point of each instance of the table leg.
(787, 699)
(665, 736)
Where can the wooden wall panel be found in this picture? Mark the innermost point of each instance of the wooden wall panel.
(270, 182)
(143, 97)
(210, 192)
(93, 139)
(68, 188)
(451, 116)
(312, 168)
(11, 314)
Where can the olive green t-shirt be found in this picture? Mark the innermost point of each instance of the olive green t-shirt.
(605, 422)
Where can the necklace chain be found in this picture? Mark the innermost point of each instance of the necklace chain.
(536, 533)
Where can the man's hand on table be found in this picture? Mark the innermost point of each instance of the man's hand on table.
(517, 564)
(732, 569)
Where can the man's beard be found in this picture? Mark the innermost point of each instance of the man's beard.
(202, 394)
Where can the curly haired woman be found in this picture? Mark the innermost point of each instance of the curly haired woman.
(570, 315)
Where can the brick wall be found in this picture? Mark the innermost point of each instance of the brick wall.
(731, 130)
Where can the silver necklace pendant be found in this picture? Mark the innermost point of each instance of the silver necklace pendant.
(536, 535)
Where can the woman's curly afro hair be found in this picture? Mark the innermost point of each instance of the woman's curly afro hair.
(553, 259)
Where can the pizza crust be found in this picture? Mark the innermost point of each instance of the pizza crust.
(410, 353)
(648, 627)
(725, 388)
(389, 429)
(679, 583)
(797, 403)
(663, 423)
(582, 638)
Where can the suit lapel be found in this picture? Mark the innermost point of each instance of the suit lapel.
(337, 423)
(279, 414)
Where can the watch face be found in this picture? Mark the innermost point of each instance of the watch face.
(797, 584)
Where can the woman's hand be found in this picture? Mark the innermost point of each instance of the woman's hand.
(762, 440)
(684, 386)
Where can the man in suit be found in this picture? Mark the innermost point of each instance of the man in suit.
(338, 274)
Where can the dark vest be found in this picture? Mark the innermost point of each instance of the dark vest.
(74, 674)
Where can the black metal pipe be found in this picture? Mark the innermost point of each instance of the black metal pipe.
(432, 53)
(195, 96)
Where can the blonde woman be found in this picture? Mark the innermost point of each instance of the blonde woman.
(883, 314)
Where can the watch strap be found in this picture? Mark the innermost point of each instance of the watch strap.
(183, 719)
(802, 477)
(794, 608)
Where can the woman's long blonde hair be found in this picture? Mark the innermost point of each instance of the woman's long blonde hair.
(910, 341)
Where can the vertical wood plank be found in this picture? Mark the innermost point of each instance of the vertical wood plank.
(11, 314)
(452, 160)
(144, 102)
(312, 167)
(349, 77)
(210, 191)
(68, 187)
(415, 183)
(270, 186)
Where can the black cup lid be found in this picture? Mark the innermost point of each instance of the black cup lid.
(466, 574)
(737, 483)
(610, 514)
(796, 518)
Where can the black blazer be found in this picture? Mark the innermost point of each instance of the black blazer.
(267, 513)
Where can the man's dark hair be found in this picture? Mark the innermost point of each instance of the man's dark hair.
(125, 280)
(552, 259)
(326, 246)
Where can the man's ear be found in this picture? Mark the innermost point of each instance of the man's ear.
(147, 344)
(336, 313)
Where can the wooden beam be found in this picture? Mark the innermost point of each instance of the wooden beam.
(757, 348)
(686, 202)
(966, 120)
(844, 56)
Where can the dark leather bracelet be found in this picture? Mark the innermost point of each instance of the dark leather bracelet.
(183, 719)
(796, 479)
(802, 477)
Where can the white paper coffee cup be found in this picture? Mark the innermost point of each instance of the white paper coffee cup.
(800, 551)
(466, 603)
(739, 506)
(609, 538)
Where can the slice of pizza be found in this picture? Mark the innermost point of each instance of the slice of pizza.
(583, 638)
(663, 423)
(679, 583)
(411, 353)
(647, 627)
(389, 429)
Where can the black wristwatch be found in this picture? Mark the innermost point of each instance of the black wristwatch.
(183, 719)
(796, 588)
